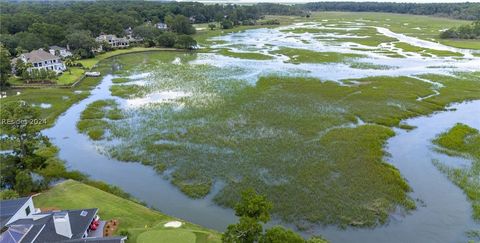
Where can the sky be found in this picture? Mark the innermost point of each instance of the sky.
(303, 1)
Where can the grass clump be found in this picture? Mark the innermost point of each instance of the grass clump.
(126, 91)
(462, 140)
(120, 80)
(244, 55)
(307, 56)
(426, 51)
(366, 65)
(92, 120)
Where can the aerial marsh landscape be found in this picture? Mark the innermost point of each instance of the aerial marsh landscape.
(357, 126)
(301, 112)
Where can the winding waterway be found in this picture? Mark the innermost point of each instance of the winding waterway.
(443, 213)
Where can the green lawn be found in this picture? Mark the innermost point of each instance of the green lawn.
(167, 236)
(90, 62)
(144, 224)
(70, 76)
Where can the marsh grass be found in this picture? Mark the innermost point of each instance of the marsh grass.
(426, 51)
(366, 65)
(462, 140)
(307, 56)
(127, 91)
(294, 139)
(245, 55)
(120, 80)
(93, 120)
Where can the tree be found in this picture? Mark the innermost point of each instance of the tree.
(148, 33)
(248, 230)
(23, 183)
(254, 206)
(226, 24)
(278, 234)
(166, 39)
(212, 26)
(82, 43)
(180, 24)
(20, 125)
(8, 194)
(186, 42)
(5, 67)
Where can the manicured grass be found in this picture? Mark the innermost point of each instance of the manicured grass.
(462, 140)
(167, 236)
(307, 56)
(70, 76)
(133, 217)
(89, 63)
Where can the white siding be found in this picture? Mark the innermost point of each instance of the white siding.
(22, 212)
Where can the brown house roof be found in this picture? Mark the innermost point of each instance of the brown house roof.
(39, 56)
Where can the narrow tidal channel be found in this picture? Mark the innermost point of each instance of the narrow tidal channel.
(445, 216)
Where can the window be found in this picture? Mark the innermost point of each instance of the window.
(27, 210)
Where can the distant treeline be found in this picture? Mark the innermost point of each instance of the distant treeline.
(468, 11)
(25, 26)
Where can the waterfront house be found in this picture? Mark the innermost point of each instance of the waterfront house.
(113, 41)
(40, 59)
(20, 221)
(59, 51)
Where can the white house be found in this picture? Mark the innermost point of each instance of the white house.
(113, 41)
(59, 51)
(41, 59)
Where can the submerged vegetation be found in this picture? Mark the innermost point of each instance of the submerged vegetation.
(464, 141)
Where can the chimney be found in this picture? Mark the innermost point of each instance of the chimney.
(62, 224)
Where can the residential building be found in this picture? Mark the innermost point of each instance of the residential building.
(161, 26)
(59, 51)
(41, 59)
(22, 222)
(113, 41)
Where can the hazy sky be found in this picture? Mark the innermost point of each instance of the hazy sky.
(303, 1)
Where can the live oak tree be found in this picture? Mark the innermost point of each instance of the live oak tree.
(5, 67)
(254, 210)
(20, 124)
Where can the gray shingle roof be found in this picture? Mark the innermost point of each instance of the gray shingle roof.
(78, 223)
(39, 56)
(9, 207)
